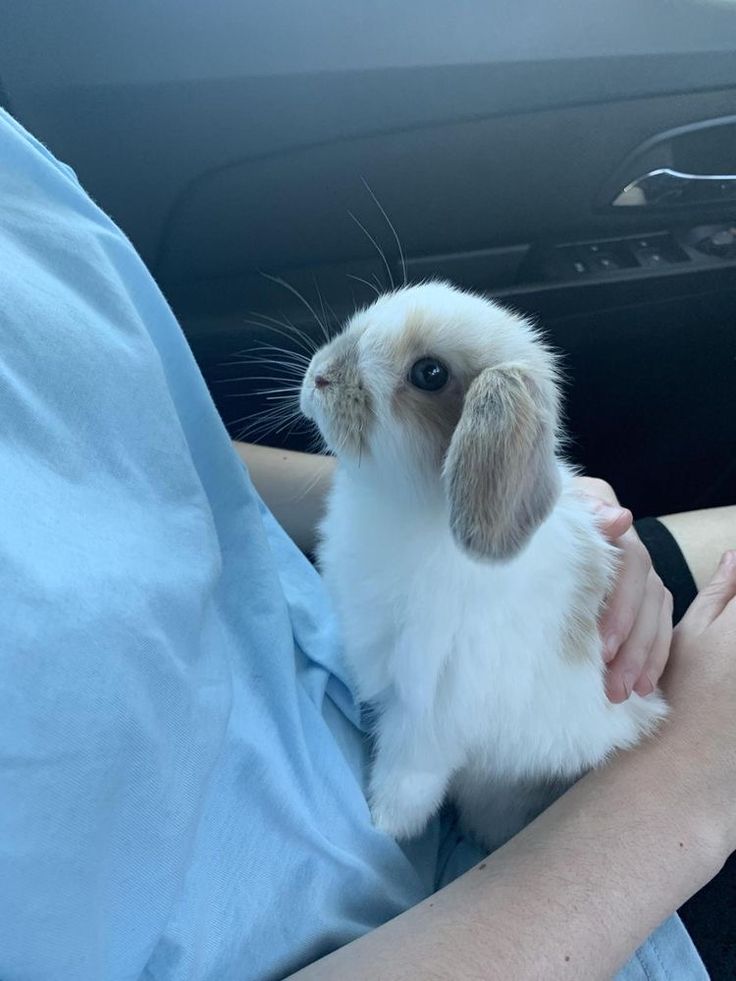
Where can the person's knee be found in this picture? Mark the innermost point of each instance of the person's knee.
(703, 536)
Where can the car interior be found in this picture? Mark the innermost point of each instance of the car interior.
(276, 163)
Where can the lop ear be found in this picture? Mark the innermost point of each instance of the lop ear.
(501, 474)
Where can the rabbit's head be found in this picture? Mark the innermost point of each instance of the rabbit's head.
(437, 391)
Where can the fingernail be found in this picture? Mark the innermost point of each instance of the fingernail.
(628, 680)
(729, 559)
(644, 686)
(611, 648)
(608, 511)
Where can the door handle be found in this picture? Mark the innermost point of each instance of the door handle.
(667, 188)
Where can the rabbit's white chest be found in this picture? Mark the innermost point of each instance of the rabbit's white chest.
(415, 610)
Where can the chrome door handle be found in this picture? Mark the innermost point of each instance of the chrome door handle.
(665, 188)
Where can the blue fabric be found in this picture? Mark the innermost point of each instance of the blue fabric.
(181, 767)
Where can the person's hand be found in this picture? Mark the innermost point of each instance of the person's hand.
(636, 624)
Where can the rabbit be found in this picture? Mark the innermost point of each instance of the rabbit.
(466, 572)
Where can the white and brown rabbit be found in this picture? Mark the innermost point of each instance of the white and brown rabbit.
(466, 572)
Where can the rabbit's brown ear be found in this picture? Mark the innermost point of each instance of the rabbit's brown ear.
(500, 471)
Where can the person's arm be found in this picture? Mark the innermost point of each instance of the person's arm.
(572, 896)
(576, 892)
(293, 486)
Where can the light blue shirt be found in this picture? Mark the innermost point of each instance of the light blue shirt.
(181, 763)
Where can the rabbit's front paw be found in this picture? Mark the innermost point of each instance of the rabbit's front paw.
(401, 806)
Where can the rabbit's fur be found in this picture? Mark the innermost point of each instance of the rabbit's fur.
(466, 572)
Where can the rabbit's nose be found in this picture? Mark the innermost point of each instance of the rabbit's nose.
(320, 381)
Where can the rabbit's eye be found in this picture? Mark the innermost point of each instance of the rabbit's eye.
(429, 374)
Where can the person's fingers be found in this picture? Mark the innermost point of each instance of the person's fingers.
(622, 606)
(613, 520)
(660, 652)
(627, 667)
(713, 598)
